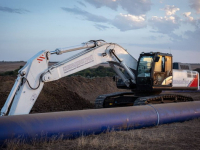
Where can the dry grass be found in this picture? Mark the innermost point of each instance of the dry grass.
(171, 136)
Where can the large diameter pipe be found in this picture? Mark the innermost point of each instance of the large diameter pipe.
(73, 124)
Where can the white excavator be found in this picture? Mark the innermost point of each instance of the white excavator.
(146, 78)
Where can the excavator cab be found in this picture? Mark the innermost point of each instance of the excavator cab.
(154, 71)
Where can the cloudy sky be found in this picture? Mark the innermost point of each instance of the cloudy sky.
(169, 26)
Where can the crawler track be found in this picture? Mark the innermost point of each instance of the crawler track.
(105, 100)
(166, 98)
(129, 99)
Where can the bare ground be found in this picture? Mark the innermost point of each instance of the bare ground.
(72, 93)
(10, 66)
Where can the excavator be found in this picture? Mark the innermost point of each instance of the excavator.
(145, 78)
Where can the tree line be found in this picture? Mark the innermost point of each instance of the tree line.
(90, 72)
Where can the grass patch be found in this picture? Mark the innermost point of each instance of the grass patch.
(181, 136)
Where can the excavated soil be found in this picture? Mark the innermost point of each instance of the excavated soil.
(69, 93)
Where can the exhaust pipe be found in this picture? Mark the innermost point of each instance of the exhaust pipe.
(72, 124)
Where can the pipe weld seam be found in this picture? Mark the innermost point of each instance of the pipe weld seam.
(158, 116)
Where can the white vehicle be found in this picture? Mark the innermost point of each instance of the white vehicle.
(146, 77)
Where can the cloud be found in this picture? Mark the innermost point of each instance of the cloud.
(195, 35)
(122, 22)
(195, 4)
(113, 4)
(187, 14)
(191, 20)
(129, 22)
(170, 10)
(11, 10)
(165, 24)
(153, 38)
(196, 24)
(88, 16)
(189, 43)
(101, 27)
(188, 17)
(134, 7)
(81, 3)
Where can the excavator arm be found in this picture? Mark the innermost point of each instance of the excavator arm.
(35, 73)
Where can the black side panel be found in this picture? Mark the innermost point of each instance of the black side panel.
(175, 66)
(144, 84)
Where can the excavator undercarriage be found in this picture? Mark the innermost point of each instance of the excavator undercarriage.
(121, 99)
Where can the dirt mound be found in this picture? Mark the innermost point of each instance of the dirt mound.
(90, 89)
(56, 97)
(69, 93)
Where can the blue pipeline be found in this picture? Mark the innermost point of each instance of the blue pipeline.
(72, 124)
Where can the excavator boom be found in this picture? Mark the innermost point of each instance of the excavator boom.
(36, 72)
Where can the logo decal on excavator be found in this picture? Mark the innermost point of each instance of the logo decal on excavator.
(41, 58)
(78, 64)
(194, 82)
